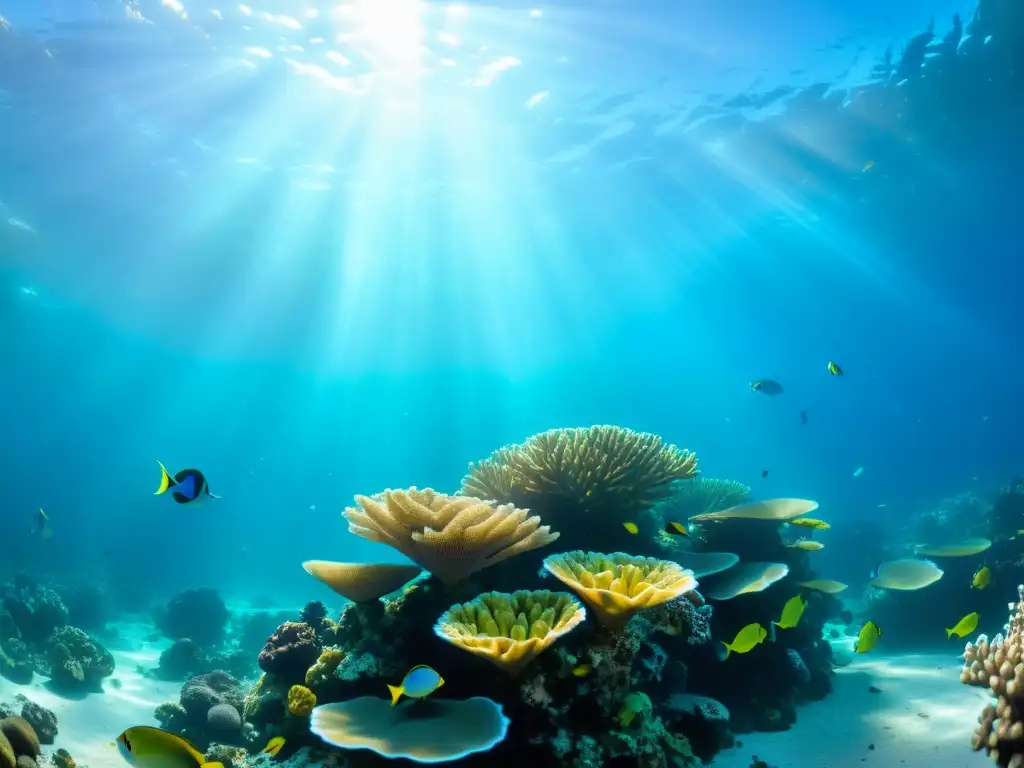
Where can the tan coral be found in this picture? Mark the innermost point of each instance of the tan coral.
(618, 585)
(510, 630)
(998, 665)
(361, 582)
(450, 536)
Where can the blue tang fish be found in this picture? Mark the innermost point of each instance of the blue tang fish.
(186, 486)
(418, 683)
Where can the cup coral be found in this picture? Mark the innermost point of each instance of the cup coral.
(510, 630)
(361, 582)
(616, 586)
(450, 536)
(301, 701)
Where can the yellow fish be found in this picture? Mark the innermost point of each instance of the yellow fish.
(273, 746)
(965, 626)
(676, 529)
(631, 528)
(834, 369)
(418, 683)
(982, 578)
(806, 545)
(867, 638)
(147, 747)
(582, 670)
(811, 522)
(827, 586)
(746, 639)
(791, 613)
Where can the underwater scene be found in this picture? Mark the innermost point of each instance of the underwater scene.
(592, 384)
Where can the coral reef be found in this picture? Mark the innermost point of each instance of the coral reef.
(35, 610)
(42, 720)
(699, 496)
(76, 660)
(301, 701)
(19, 744)
(180, 660)
(197, 614)
(584, 481)
(209, 709)
(289, 652)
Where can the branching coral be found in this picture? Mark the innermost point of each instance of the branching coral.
(618, 585)
(582, 473)
(450, 536)
(997, 664)
(510, 630)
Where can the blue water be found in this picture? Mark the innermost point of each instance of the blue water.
(313, 276)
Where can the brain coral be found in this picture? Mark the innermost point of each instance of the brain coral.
(289, 652)
(450, 536)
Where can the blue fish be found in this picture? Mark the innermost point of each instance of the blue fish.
(186, 486)
(766, 387)
(418, 683)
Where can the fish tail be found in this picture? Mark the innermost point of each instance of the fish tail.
(166, 481)
(396, 693)
(728, 650)
(949, 633)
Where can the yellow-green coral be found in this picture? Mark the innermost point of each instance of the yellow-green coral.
(324, 667)
(635, 703)
(301, 701)
(618, 585)
(592, 474)
(510, 630)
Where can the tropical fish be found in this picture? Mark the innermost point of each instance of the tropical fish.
(745, 640)
(791, 613)
(858, 471)
(867, 638)
(676, 529)
(40, 525)
(834, 369)
(766, 387)
(186, 486)
(764, 473)
(982, 578)
(965, 626)
(631, 527)
(707, 563)
(828, 586)
(418, 683)
(964, 548)
(745, 579)
(811, 522)
(148, 747)
(907, 574)
(807, 545)
(772, 509)
(581, 670)
(868, 166)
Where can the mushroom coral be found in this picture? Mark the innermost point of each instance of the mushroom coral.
(618, 585)
(425, 731)
(583, 479)
(450, 536)
(361, 582)
(510, 630)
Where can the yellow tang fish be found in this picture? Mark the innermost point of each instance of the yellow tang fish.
(631, 528)
(791, 613)
(746, 639)
(811, 522)
(582, 670)
(676, 529)
(834, 369)
(867, 638)
(418, 683)
(147, 747)
(965, 626)
(806, 545)
(982, 578)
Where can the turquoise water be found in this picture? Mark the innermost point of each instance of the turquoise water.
(318, 250)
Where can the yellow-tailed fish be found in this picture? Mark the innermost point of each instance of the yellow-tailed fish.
(631, 528)
(185, 486)
(40, 525)
(834, 369)
(791, 613)
(867, 638)
(982, 578)
(581, 670)
(148, 747)
(745, 640)
(273, 746)
(418, 683)
(807, 545)
(811, 522)
(676, 529)
(965, 626)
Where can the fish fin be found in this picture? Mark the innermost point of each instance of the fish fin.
(396, 693)
(440, 681)
(166, 481)
(213, 495)
(949, 633)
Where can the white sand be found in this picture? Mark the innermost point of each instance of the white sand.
(88, 726)
(922, 717)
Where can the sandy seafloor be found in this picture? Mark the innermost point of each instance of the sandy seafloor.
(921, 716)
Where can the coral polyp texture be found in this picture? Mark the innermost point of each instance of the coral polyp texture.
(510, 630)
(618, 585)
(582, 475)
(449, 536)
(997, 664)
(361, 582)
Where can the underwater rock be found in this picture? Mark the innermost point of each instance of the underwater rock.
(224, 721)
(35, 610)
(209, 709)
(184, 658)
(289, 652)
(171, 716)
(198, 614)
(801, 673)
(42, 720)
(75, 660)
(704, 720)
(16, 662)
(202, 692)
